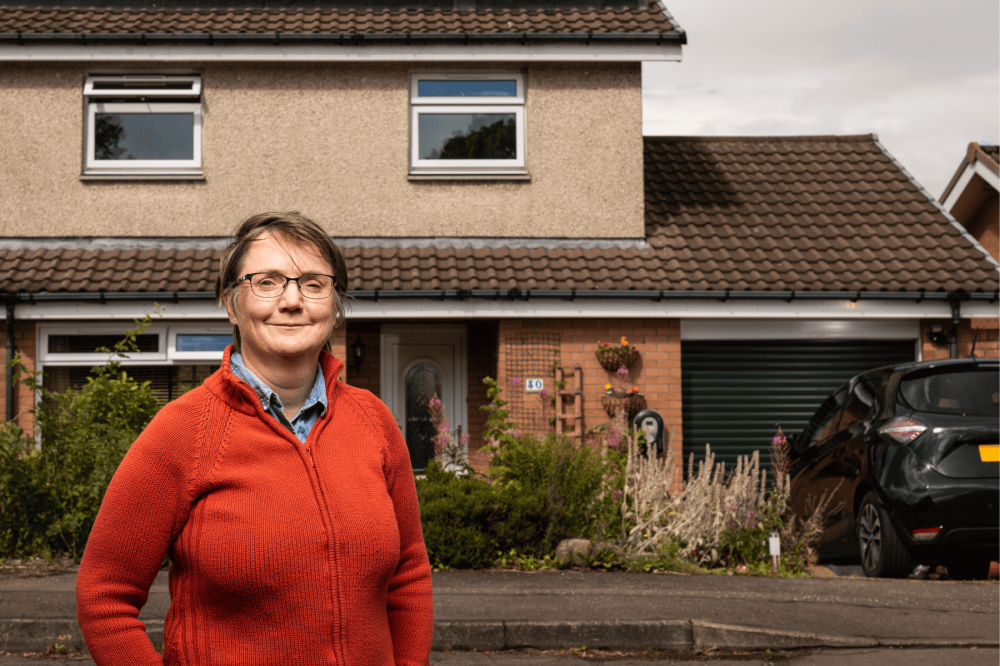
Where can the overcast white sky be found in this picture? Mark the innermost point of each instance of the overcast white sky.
(922, 74)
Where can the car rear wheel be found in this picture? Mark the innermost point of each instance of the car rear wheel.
(968, 566)
(883, 555)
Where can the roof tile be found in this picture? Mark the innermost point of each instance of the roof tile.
(333, 21)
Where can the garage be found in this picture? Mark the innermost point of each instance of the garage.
(735, 393)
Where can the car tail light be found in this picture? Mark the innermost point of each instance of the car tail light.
(925, 533)
(902, 430)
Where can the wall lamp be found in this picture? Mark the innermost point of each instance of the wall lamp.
(358, 353)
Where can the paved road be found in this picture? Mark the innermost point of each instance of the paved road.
(872, 657)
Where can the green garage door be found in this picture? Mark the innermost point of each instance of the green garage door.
(735, 393)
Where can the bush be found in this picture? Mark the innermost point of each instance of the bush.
(534, 493)
(467, 522)
(50, 494)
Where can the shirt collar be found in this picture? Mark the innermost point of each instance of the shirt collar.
(268, 398)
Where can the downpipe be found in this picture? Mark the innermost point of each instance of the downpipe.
(956, 319)
(9, 389)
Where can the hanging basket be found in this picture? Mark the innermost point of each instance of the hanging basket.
(633, 404)
(612, 358)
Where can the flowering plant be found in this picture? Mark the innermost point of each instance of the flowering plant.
(617, 398)
(614, 356)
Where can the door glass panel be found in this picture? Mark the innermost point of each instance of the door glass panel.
(467, 88)
(144, 136)
(468, 136)
(422, 382)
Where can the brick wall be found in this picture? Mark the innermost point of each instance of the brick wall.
(24, 342)
(369, 376)
(983, 330)
(657, 373)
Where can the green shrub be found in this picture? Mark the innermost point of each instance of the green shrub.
(51, 490)
(467, 522)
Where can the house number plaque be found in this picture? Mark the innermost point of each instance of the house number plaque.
(533, 385)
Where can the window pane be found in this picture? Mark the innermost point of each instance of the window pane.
(144, 136)
(467, 88)
(467, 136)
(423, 382)
(203, 343)
(88, 344)
(952, 391)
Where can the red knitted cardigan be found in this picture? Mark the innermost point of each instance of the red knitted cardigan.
(281, 552)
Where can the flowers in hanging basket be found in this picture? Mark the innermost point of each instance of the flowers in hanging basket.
(614, 356)
(622, 392)
(632, 401)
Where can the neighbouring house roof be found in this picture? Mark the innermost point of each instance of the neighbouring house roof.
(161, 25)
(988, 156)
(807, 214)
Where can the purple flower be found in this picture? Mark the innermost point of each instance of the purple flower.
(434, 401)
(622, 371)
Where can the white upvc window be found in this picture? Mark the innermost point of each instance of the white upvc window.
(467, 123)
(143, 126)
(173, 357)
(198, 343)
(160, 344)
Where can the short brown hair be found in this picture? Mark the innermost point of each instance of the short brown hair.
(296, 226)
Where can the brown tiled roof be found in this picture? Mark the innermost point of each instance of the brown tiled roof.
(802, 214)
(626, 21)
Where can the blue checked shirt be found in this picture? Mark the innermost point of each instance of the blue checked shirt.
(303, 422)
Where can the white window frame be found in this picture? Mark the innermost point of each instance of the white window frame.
(45, 357)
(147, 100)
(174, 331)
(167, 344)
(483, 105)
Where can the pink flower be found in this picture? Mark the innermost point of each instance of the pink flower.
(435, 401)
(622, 371)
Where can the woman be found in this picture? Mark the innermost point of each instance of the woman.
(283, 497)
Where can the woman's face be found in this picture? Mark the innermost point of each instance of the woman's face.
(289, 325)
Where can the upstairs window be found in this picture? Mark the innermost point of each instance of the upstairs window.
(143, 126)
(467, 124)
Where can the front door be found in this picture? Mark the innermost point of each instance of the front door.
(418, 362)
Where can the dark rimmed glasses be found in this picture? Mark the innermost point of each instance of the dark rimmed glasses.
(272, 285)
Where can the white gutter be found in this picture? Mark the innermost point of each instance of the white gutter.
(425, 309)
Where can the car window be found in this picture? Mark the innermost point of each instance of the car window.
(952, 390)
(824, 421)
(860, 405)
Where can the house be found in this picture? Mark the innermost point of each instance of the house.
(752, 274)
(973, 195)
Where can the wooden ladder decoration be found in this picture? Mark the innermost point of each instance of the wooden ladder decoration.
(567, 397)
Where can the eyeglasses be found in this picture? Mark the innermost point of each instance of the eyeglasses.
(271, 285)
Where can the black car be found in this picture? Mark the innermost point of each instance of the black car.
(910, 455)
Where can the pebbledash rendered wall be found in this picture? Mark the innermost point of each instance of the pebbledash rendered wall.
(331, 140)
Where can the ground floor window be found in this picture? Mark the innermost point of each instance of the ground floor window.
(168, 382)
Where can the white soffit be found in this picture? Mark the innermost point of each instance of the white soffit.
(429, 309)
(800, 329)
(332, 53)
(975, 169)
